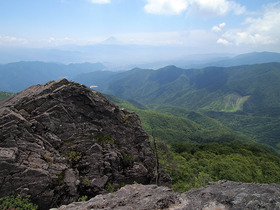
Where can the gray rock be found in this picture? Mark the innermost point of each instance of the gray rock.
(223, 195)
(233, 195)
(131, 197)
(61, 140)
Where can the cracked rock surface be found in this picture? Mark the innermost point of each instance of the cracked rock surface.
(60, 141)
(222, 195)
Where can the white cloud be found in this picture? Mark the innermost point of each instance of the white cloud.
(52, 39)
(263, 30)
(221, 25)
(10, 40)
(201, 7)
(218, 28)
(166, 7)
(223, 41)
(216, 7)
(100, 1)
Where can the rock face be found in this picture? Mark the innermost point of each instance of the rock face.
(223, 195)
(60, 141)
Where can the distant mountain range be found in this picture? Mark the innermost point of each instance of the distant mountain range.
(246, 88)
(243, 98)
(240, 88)
(117, 55)
(245, 59)
(15, 77)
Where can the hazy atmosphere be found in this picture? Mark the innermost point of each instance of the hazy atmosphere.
(139, 104)
(130, 32)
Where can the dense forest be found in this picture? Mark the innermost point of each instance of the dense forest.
(242, 99)
(194, 165)
(195, 149)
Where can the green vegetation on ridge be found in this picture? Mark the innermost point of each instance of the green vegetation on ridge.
(194, 165)
(203, 149)
(262, 128)
(174, 124)
(4, 95)
(244, 99)
(241, 88)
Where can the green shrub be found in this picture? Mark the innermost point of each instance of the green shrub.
(59, 180)
(73, 158)
(126, 118)
(103, 139)
(128, 158)
(109, 187)
(17, 203)
(82, 198)
(48, 158)
(86, 181)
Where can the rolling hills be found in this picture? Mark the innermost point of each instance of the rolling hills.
(242, 98)
(248, 88)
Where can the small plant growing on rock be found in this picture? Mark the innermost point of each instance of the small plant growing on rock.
(34, 166)
(86, 181)
(73, 158)
(128, 159)
(103, 139)
(58, 181)
(109, 187)
(82, 198)
(48, 158)
(17, 203)
(126, 118)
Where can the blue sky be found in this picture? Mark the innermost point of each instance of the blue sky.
(205, 25)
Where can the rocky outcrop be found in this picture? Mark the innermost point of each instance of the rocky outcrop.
(61, 140)
(223, 195)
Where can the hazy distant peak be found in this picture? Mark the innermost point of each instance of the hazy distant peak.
(111, 40)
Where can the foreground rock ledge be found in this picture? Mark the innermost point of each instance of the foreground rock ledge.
(218, 196)
(60, 141)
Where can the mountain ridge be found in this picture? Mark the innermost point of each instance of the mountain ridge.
(204, 89)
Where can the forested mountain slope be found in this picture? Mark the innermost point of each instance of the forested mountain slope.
(243, 98)
(178, 125)
(195, 149)
(243, 88)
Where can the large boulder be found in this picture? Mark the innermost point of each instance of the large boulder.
(60, 141)
(222, 195)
